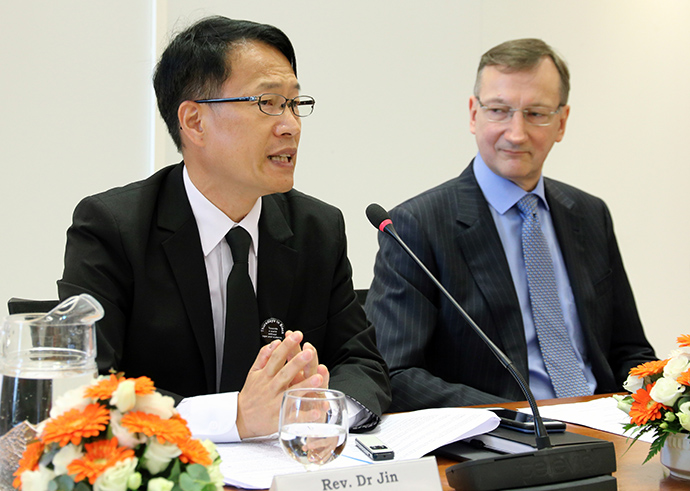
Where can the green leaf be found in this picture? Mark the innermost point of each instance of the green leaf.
(195, 478)
(61, 483)
(681, 400)
(187, 483)
(656, 445)
(82, 486)
(48, 454)
(198, 472)
(175, 471)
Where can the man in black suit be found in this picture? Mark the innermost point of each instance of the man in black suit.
(153, 252)
(468, 232)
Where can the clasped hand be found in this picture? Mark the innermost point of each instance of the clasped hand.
(279, 366)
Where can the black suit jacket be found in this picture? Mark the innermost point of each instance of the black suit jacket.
(434, 356)
(137, 250)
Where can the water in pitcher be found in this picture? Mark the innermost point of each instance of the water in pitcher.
(29, 393)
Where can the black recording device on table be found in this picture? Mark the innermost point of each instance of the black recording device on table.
(515, 420)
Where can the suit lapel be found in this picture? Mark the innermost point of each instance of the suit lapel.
(183, 249)
(277, 262)
(567, 223)
(482, 250)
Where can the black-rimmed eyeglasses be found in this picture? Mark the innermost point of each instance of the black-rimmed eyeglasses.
(274, 104)
(536, 116)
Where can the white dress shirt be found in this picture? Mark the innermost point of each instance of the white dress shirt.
(214, 416)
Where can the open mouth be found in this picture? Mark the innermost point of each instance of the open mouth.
(281, 159)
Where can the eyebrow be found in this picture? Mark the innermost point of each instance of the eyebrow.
(274, 85)
(502, 102)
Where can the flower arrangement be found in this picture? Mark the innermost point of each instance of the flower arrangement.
(117, 434)
(660, 399)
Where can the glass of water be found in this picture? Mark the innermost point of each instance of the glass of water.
(313, 425)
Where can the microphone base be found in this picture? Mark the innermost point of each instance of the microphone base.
(585, 466)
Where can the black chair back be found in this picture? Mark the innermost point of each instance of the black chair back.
(26, 306)
(362, 296)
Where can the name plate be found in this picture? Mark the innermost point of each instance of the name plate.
(404, 475)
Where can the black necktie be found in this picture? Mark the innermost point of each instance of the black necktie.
(242, 337)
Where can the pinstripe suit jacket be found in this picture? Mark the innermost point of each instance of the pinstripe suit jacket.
(434, 357)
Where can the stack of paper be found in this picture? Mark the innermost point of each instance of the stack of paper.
(252, 464)
(601, 414)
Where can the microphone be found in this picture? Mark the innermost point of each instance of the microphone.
(380, 219)
(555, 459)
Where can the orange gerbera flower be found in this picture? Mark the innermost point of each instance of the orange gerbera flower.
(73, 425)
(644, 408)
(143, 386)
(29, 461)
(171, 430)
(100, 455)
(684, 378)
(683, 340)
(649, 368)
(193, 452)
(103, 390)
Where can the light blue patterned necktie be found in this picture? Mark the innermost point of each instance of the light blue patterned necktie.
(557, 350)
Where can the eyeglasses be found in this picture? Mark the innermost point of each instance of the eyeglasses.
(536, 116)
(274, 104)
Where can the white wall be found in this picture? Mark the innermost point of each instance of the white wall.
(392, 81)
(76, 119)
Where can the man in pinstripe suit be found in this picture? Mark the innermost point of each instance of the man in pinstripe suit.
(467, 232)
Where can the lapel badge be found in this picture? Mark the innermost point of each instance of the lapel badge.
(271, 329)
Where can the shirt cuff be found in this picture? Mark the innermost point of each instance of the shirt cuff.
(212, 417)
(359, 417)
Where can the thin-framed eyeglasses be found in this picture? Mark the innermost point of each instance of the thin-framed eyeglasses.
(536, 116)
(273, 104)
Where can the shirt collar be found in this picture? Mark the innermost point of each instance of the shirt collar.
(501, 193)
(213, 224)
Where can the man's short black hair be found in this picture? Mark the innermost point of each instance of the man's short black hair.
(196, 63)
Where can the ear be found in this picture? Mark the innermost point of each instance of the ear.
(474, 107)
(191, 123)
(562, 120)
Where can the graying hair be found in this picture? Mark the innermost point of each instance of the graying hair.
(523, 54)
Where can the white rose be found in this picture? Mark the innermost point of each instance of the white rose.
(684, 415)
(211, 449)
(72, 399)
(124, 396)
(685, 408)
(683, 350)
(624, 403)
(160, 484)
(676, 365)
(666, 391)
(633, 384)
(65, 456)
(37, 480)
(115, 478)
(124, 437)
(156, 403)
(684, 420)
(157, 456)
